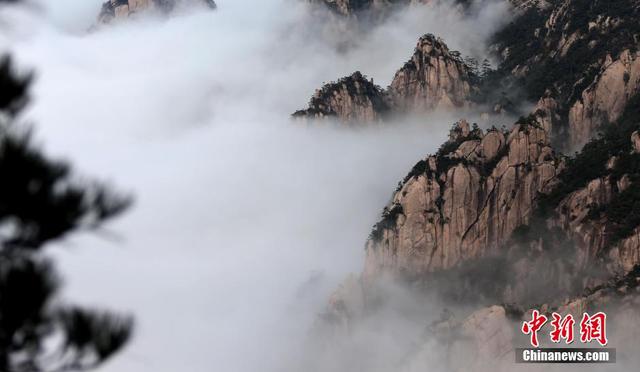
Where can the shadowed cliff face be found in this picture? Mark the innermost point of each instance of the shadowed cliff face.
(583, 54)
(121, 9)
(604, 101)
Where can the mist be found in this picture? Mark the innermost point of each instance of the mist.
(244, 221)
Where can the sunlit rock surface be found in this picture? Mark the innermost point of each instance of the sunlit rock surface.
(353, 99)
(434, 78)
(463, 202)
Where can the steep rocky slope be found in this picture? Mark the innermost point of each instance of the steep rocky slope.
(489, 196)
(497, 217)
(578, 60)
(494, 194)
(121, 9)
(597, 196)
(583, 54)
(456, 212)
(441, 214)
(434, 78)
(499, 220)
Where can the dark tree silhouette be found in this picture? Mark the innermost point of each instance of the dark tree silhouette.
(40, 201)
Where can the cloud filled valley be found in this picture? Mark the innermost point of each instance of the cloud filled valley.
(364, 232)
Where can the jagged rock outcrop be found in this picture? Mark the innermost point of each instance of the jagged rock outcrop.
(581, 54)
(577, 59)
(462, 203)
(122, 9)
(507, 196)
(434, 78)
(604, 101)
(547, 112)
(592, 235)
(563, 231)
(598, 211)
(497, 217)
(351, 99)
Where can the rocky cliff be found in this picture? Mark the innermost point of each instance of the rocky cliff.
(578, 57)
(580, 53)
(351, 99)
(460, 212)
(596, 196)
(489, 194)
(121, 9)
(463, 202)
(434, 78)
(500, 216)
(605, 99)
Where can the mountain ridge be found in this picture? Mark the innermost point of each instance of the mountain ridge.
(561, 229)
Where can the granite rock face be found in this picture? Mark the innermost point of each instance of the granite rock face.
(500, 216)
(478, 205)
(434, 78)
(604, 101)
(581, 54)
(480, 200)
(351, 99)
(462, 203)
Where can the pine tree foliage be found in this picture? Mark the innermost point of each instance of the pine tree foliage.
(40, 201)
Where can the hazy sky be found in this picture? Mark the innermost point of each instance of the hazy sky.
(236, 206)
